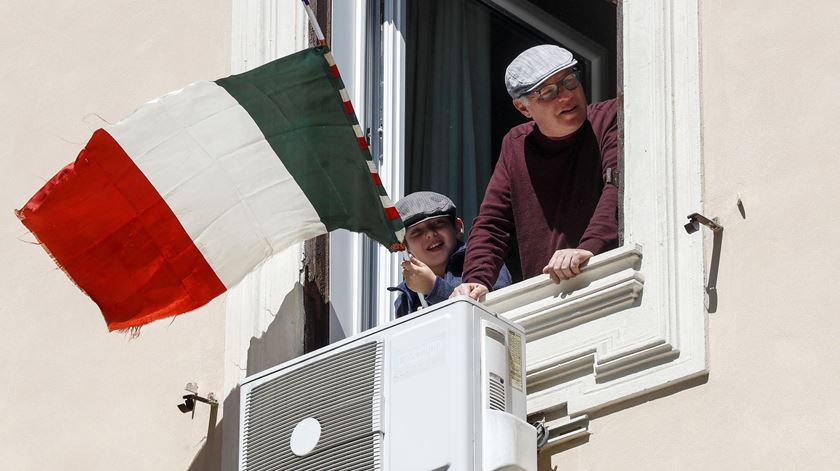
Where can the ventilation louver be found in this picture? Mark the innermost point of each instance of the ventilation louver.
(342, 392)
(496, 387)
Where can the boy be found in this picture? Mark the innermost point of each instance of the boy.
(433, 236)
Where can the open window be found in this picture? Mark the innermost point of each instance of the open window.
(634, 321)
(433, 102)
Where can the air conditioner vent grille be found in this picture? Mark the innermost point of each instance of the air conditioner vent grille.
(342, 392)
(496, 388)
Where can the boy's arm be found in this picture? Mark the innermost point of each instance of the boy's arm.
(441, 290)
(402, 305)
(504, 279)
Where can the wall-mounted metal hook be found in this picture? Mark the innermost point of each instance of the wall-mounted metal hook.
(189, 406)
(695, 219)
(190, 399)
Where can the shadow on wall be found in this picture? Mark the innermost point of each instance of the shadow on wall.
(550, 458)
(282, 341)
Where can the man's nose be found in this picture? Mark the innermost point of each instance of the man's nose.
(563, 93)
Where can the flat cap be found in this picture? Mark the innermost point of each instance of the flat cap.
(420, 206)
(533, 66)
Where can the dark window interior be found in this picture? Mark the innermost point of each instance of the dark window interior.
(502, 39)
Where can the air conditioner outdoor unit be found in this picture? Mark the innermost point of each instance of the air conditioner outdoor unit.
(442, 389)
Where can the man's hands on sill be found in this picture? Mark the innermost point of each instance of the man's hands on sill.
(476, 291)
(566, 263)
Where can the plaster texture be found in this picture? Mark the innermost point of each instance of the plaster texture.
(74, 396)
(769, 97)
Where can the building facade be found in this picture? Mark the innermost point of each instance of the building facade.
(678, 350)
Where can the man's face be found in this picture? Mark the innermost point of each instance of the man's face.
(434, 240)
(561, 115)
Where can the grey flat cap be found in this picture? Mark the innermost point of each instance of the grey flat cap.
(420, 206)
(533, 66)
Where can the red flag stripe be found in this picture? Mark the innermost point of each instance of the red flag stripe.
(376, 179)
(132, 256)
(392, 213)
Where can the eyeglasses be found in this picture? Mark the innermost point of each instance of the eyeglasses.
(550, 91)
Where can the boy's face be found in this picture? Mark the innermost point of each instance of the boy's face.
(433, 241)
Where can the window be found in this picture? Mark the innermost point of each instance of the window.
(636, 322)
(402, 58)
(457, 109)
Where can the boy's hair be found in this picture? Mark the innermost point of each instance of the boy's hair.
(421, 206)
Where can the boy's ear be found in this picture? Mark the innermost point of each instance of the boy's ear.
(459, 228)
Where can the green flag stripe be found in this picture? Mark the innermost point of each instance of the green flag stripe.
(295, 101)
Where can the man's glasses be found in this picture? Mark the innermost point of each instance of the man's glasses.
(550, 91)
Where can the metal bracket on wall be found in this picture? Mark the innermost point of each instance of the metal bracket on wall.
(695, 219)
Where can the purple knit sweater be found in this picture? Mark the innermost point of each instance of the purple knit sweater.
(553, 192)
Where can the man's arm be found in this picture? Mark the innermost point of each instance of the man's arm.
(489, 239)
(602, 231)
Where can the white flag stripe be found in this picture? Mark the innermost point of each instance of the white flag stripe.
(386, 201)
(344, 95)
(372, 166)
(208, 159)
(328, 56)
(358, 130)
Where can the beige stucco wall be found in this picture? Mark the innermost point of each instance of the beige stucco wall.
(770, 104)
(73, 396)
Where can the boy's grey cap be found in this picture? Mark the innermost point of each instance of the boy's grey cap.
(533, 66)
(420, 206)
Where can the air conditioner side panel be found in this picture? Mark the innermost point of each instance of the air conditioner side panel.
(430, 392)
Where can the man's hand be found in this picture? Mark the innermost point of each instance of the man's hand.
(418, 276)
(476, 291)
(566, 263)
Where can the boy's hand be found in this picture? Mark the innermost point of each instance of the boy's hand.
(476, 291)
(418, 276)
(566, 263)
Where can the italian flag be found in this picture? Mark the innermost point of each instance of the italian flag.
(165, 210)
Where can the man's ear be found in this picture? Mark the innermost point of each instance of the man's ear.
(520, 106)
(459, 228)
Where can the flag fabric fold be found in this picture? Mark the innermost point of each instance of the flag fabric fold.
(165, 210)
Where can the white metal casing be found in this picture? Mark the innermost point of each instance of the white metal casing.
(442, 389)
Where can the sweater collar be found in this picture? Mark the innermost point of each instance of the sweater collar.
(548, 145)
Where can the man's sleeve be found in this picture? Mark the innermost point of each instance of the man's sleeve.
(489, 239)
(602, 232)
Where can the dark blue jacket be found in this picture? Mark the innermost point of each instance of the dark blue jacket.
(408, 301)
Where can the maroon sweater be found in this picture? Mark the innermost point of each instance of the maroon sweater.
(552, 192)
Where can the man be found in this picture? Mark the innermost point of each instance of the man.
(554, 183)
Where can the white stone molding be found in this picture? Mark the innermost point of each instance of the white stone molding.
(262, 30)
(626, 327)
